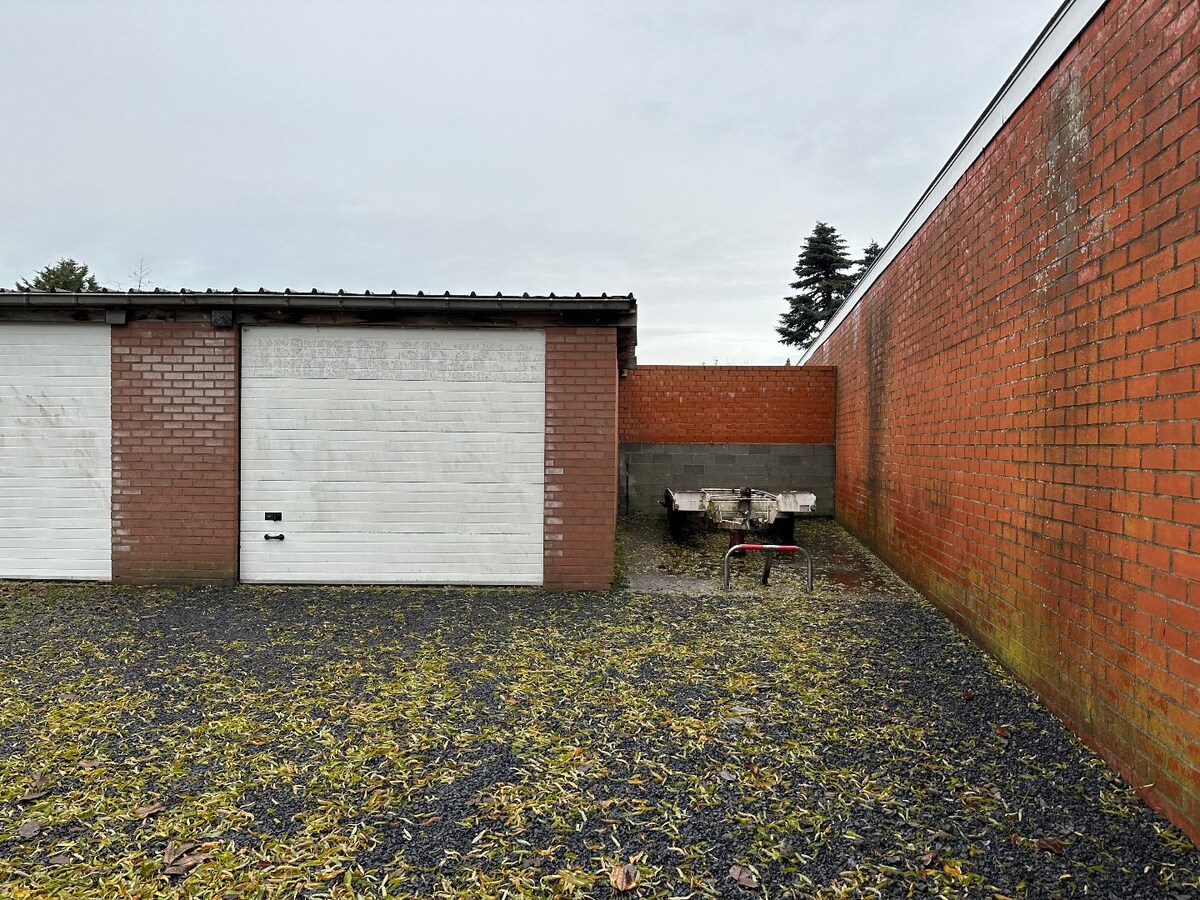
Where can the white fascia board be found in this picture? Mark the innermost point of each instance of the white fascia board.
(1066, 25)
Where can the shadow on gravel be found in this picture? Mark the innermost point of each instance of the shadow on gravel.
(664, 738)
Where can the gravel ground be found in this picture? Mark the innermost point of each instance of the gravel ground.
(661, 740)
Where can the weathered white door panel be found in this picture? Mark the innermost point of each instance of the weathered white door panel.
(55, 451)
(392, 455)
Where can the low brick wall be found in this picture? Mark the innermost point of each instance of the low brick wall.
(728, 405)
(689, 427)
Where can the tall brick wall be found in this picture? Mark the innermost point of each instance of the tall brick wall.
(727, 404)
(1018, 425)
(581, 457)
(175, 452)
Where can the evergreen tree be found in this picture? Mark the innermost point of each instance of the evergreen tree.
(870, 254)
(822, 282)
(64, 275)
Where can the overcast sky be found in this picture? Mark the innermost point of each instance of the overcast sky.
(678, 150)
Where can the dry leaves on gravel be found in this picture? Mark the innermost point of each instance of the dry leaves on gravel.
(623, 877)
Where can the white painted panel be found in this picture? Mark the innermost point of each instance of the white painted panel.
(395, 455)
(55, 451)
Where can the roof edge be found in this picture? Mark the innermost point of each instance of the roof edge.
(262, 299)
(1048, 48)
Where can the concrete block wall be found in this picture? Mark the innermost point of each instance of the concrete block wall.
(648, 469)
(688, 427)
(1018, 424)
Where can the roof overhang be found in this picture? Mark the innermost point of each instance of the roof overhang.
(445, 310)
(315, 300)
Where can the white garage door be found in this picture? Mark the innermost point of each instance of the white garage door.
(55, 451)
(392, 455)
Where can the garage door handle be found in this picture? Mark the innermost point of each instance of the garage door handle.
(272, 537)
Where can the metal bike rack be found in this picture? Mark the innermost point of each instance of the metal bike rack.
(770, 550)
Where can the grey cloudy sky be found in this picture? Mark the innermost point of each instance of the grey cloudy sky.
(680, 150)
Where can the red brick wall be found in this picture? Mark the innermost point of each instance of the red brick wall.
(175, 452)
(727, 404)
(1018, 428)
(581, 457)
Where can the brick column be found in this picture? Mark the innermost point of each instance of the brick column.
(581, 457)
(175, 452)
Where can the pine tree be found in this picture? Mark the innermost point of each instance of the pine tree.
(823, 283)
(64, 275)
(870, 254)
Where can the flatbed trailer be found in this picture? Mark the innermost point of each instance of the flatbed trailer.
(740, 511)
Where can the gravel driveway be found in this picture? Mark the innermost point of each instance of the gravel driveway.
(662, 740)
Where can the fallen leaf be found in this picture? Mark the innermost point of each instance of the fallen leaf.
(952, 870)
(144, 812)
(744, 876)
(90, 763)
(624, 877)
(1002, 730)
(176, 849)
(726, 775)
(968, 696)
(59, 859)
(929, 859)
(29, 829)
(1050, 844)
(185, 864)
(38, 788)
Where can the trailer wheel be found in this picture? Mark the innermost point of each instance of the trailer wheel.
(783, 529)
(676, 524)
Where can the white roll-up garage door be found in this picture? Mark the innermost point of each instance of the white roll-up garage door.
(392, 455)
(55, 451)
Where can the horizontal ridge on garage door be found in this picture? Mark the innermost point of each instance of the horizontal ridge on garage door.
(392, 455)
(55, 450)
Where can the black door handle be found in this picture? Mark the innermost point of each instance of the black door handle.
(272, 537)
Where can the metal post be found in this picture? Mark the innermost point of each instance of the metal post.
(808, 563)
(770, 550)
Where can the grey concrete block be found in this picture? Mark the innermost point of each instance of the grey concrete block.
(648, 469)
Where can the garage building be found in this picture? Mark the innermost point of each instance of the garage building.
(313, 438)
